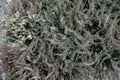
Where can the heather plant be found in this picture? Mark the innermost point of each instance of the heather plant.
(65, 39)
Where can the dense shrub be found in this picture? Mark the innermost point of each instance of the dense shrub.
(66, 39)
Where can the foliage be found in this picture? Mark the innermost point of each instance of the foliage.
(66, 39)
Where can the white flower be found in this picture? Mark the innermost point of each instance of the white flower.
(29, 36)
